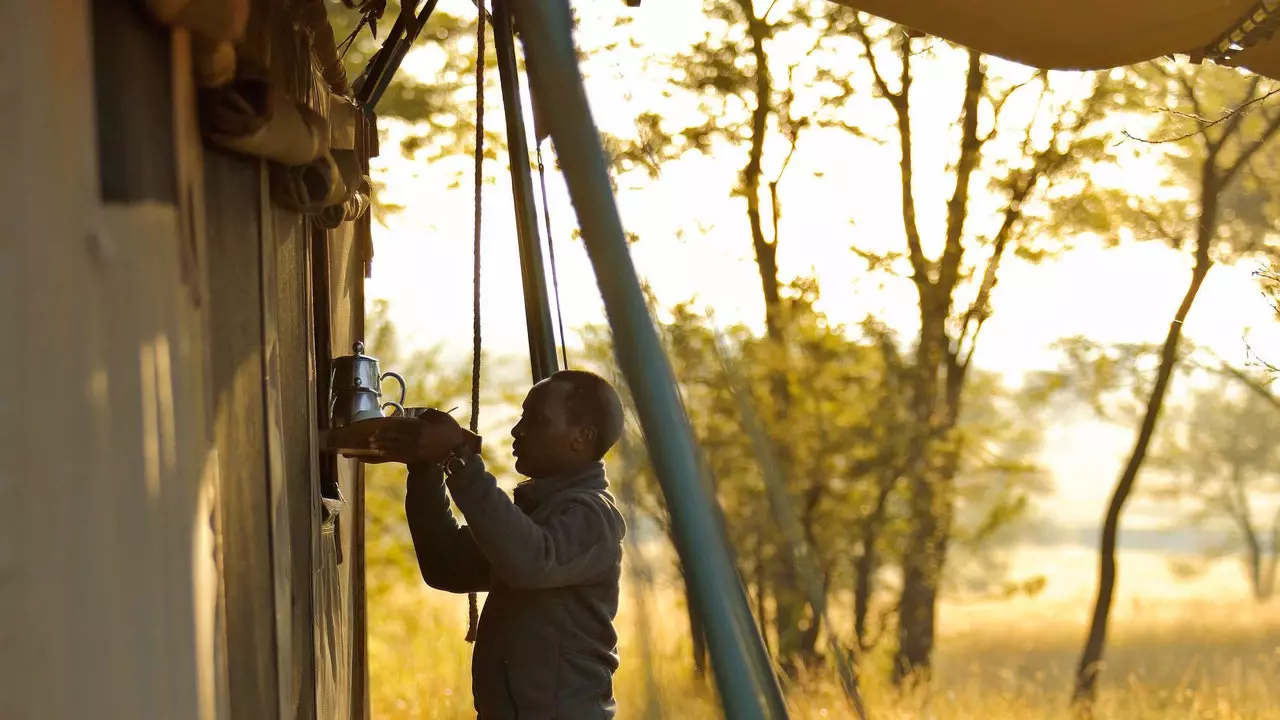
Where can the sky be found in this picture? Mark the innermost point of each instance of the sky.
(838, 191)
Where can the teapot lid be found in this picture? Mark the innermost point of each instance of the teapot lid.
(357, 349)
(358, 358)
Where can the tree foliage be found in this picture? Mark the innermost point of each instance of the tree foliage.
(845, 437)
(434, 92)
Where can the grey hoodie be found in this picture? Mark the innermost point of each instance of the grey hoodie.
(550, 561)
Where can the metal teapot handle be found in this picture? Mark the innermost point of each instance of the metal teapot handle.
(395, 376)
(399, 409)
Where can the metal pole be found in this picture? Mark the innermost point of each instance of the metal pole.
(377, 75)
(537, 308)
(748, 687)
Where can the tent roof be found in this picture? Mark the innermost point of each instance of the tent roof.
(1096, 34)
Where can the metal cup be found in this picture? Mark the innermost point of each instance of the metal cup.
(353, 406)
(416, 411)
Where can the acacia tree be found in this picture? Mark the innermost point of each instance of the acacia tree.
(1212, 157)
(1022, 162)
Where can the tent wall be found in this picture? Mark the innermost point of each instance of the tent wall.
(301, 477)
(164, 553)
(108, 572)
(344, 270)
(235, 333)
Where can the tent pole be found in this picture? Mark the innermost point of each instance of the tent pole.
(537, 307)
(748, 687)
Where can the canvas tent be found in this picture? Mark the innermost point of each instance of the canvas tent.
(1098, 34)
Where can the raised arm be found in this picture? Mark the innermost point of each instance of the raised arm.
(582, 541)
(447, 553)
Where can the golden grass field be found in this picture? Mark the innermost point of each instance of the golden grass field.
(1173, 655)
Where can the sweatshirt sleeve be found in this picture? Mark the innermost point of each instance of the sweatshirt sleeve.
(447, 552)
(581, 541)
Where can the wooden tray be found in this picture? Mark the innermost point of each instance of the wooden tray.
(353, 440)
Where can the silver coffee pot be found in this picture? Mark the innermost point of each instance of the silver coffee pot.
(355, 389)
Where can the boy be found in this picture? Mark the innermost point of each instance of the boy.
(550, 560)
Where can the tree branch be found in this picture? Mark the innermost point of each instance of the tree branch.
(775, 210)
(1158, 221)
(998, 103)
(1190, 89)
(1250, 383)
(970, 147)
(900, 101)
(1232, 118)
(1234, 168)
(1237, 116)
(919, 265)
(860, 29)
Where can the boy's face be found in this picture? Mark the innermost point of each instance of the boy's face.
(547, 441)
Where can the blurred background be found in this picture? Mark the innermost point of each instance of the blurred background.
(951, 358)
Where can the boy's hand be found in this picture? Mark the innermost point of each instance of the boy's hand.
(430, 439)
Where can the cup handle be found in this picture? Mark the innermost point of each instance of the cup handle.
(395, 376)
(399, 409)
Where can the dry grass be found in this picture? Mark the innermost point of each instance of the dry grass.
(1178, 659)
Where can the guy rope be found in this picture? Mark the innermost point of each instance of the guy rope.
(473, 603)
(551, 250)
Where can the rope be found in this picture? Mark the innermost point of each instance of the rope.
(473, 603)
(551, 247)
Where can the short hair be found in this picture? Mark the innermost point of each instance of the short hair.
(593, 401)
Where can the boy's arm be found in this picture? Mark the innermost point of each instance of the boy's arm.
(447, 553)
(583, 540)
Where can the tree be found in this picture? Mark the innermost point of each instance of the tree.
(735, 74)
(1026, 160)
(1222, 460)
(1212, 220)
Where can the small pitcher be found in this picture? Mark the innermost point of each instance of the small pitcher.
(355, 389)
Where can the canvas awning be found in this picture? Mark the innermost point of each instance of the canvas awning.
(1097, 34)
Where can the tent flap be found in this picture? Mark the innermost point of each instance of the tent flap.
(1086, 34)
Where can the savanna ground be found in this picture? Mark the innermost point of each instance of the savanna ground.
(1173, 654)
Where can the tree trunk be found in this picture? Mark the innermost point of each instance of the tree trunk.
(868, 562)
(1254, 560)
(921, 580)
(922, 564)
(766, 251)
(930, 482)
(809, 655)
(1091, 658)
(1273, 561)
(788, 613)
